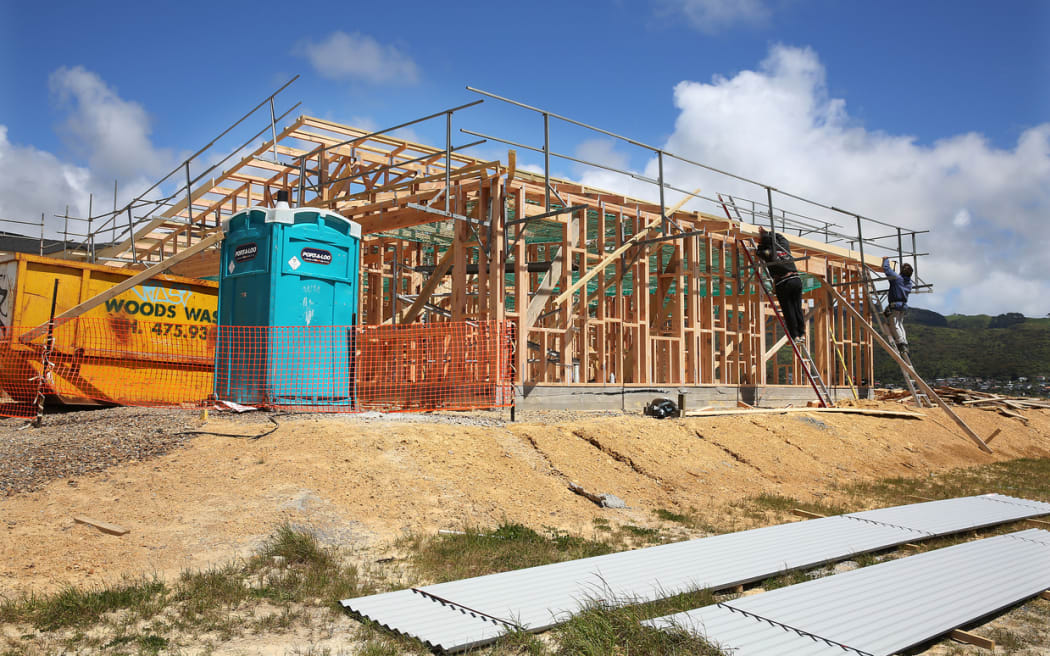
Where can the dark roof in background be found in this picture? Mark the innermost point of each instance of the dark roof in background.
(15, 243)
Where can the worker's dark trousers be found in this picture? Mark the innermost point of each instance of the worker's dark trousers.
(789, 295)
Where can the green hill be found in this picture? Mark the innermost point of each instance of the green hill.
(1006, 346)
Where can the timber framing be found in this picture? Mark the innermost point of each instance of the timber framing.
(602, 293)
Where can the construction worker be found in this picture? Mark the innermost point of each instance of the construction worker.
(775, 251)
(897, 305)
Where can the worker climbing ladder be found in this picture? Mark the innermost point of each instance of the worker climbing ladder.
(906, 367)
(901, 360)
(920, 398)
(765, 282)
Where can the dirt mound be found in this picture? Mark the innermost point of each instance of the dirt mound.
(361, 482)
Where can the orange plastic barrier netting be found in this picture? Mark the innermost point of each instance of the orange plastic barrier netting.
(414, 367)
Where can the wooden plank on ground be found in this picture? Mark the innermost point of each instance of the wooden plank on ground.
(105, 527)
(972, 639)
(806, 514)
(774, 411)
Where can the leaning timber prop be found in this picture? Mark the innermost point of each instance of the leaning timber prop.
(134, 280)
(907, 368)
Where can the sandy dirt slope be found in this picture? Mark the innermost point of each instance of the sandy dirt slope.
(361, 483)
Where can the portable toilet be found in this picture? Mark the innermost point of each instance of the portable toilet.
(288, 298)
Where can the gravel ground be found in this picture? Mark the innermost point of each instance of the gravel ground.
(70, 444)
(74, 443)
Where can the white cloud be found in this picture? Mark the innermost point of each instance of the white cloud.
(342, 56)
(710, 16)
(986, 207)
(962, 218)
(108, 134)
(111, 133)
(602, 151)
(33, 182)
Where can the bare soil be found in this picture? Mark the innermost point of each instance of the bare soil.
(362, 481)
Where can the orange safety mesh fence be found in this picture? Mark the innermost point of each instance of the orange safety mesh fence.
(413, 367)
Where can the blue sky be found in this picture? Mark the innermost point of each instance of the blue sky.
(929, 114)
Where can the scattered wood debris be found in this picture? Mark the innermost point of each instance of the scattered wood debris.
(972, 639)
(805, 514)
(874, 412)
(603, 500)
(1008, 406)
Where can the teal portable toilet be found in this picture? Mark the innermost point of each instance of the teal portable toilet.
(288, 297)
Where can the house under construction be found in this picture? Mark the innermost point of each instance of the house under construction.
(611, 300)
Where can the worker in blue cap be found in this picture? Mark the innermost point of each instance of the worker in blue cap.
(897, 301)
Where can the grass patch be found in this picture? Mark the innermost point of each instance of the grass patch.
(668, 516)
(642, 532)
(780, 504)
(520, 642)
(379, 641)
(292, 571)
(786, 579)
(509, 546)
(296, 547)
(75, 607)
(293, 567)
(1024, 477)
(601, 524)
(601, 630)
(147, 644)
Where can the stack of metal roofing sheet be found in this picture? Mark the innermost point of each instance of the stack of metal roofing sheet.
(439, 625)
(461, 614)
(883, 609)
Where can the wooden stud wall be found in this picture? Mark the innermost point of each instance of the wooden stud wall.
(681, 311)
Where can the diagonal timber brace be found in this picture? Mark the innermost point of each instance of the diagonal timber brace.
(907, 368)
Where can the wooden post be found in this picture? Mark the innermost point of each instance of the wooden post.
(459, 261)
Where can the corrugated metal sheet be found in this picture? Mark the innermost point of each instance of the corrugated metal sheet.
(742, 635)
(955, 515)
(1039, 506)
(436, 624)
(540, 597)
(883, 609)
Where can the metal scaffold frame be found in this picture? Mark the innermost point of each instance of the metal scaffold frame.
(601, 288)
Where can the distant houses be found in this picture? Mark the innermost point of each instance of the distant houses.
(1020, 386)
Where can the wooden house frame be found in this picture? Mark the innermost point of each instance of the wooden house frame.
(603, 291)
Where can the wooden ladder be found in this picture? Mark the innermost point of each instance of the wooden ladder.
(810, 367)
(801, 352)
